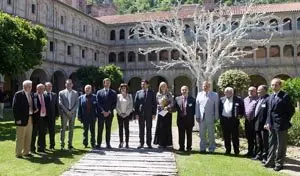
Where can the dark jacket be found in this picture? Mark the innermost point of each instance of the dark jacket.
(262, 113)
(280, 112)
(51, 105)
(21, 107)
(145, 108)
(106, 102)
(238, 107)
(82, 113)
(190, 111)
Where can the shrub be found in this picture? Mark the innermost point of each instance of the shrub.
(294, 131)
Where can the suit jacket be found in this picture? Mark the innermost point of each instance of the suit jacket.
(207, 108)
(64, 102)
(190, 111)
(145, 108)
(106, 102)
(280, 112)
(82, 113)
(238, 107)
(129, 104)
(51, 105)
(262, 113)
(37, 104)
(21, 107)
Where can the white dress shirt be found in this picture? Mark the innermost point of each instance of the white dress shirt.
(69, 95)
(227, 107)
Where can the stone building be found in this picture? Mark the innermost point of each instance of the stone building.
(77, 39)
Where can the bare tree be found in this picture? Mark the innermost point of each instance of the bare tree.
(213, 39)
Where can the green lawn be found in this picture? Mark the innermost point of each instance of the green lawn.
(52, 163)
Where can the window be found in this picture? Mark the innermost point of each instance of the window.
(112, 58)
(248, 48)
(112, 35)
(131, 32)
(163, 55)
(274, 24)
(131, 56)
(121, 57)
(275, 51)
(152, 56)
(9, 2)
(33, 8)
(83, 53)
(61, 19)
(95, 56)
(261, 52)
(69, 50)
(287, 24)
(84, 28)
(288, 51)
(122, 34)
(141, 57)
(51, 46)
(298, 23)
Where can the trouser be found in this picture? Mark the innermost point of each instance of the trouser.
(107, 121)
(250, 135)
(123, 123)
(148, 121)
(51, 130)
(1, 110)
(64, 121)
(23, 138)
(39, 129)
(185, 129)
(207, 127)
(277, 147)
(230, 129)
(86, 127)
(262, 138)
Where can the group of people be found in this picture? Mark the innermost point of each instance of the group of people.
(267, 118)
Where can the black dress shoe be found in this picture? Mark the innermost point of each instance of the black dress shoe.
(52, 148)
(28, 155)
(202, 151)
(140, 146)
(150, 147)
(19, 156)
(278, 168)
(181, 149)
(41, 150)
(127, 146)
(189, 149)
(108, 146)
(71, 148)
(269, 166)
(121, 145)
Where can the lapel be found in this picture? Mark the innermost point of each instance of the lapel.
(273, 101)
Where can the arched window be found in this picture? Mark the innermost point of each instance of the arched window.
(174, 55)
(274, 24)
(298, 23)
(261, 52)
(248, 48)
(141, 57)
(122, 34)
(112, 35)
(164, 55)
(112, 58)
(131, 32)
(121, 57)
(275, 51)
(234, 25)
(288, 51)
(131, 56)
(163, 30)
(287, 24)
(152, 56)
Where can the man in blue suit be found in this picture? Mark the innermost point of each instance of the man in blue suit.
(106, 101)
(280, 113)
(145, 108)
(87, 114)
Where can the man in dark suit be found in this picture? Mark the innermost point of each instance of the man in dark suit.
(23, 110)
(280, 113)
(52, 112)
(260, 117)
(39, 120)
(87, 114)
(145, 108)
(106, 101)
(185, 106)
(231, 109)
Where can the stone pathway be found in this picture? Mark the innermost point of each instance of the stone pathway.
(132, 161)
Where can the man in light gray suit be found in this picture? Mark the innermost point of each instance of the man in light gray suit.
(68, 102)
(207, 112)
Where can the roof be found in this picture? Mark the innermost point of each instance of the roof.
(187, 12)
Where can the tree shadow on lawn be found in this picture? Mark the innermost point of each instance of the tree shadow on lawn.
(7, 131)
(54, 157)
(294, 165)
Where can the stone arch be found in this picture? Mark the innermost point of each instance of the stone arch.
(179, 81)
(58, 81)
(38, 76)
(134, 84)
(282, 76)
(155, 81)
(257, 80)
(112, 57)
(287, 24)
(76, 83)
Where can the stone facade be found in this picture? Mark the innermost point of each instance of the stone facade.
(76, 39)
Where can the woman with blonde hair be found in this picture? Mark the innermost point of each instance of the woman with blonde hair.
(124, 110)
(163, 132)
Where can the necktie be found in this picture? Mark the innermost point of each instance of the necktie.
(145, 95)
(43, 107)
(106, 92)
(183, 106)
(50, 97)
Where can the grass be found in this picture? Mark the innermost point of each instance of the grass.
(52, 163)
